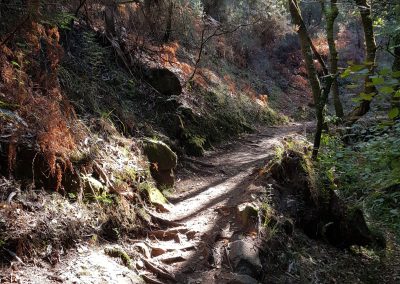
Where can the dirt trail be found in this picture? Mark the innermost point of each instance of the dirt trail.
(207, 189)
(190, 250)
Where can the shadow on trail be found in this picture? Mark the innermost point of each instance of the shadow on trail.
(234, 168)
(201, 260)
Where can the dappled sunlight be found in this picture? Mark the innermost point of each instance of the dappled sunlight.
(211, 196)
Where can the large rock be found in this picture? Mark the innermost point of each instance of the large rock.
(164, 81)
(163, 161)
(163, 177)
(244, 258)
(160, 153)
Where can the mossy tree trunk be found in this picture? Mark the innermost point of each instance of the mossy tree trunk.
(367, 22)
(396, 43)
(331, 13)
(320, 94)
(305, 49)
(396, 63)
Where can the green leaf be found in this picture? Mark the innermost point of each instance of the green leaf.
(345, 74)
(396, 74)
(352, 86)
(384, 71)
(397, 94)
(356, 68)
(357, 100)
(386, 90)
(377, 81)
(393, 113)
(14, 63)
(367, 97)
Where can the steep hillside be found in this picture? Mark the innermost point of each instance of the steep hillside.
(169, 141)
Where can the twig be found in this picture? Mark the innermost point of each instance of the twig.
(14, 255)
(227, 258)
(203, 41)
(11, 196)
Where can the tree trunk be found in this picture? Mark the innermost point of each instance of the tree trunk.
(307, 52)
(367, 22)
(327, 85)
(109, 17)
(396, 63)
(305, 49)
(331, 14)
(168, 30)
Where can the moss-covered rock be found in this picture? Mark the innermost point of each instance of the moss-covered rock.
(160, 154)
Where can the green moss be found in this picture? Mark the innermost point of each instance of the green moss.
(160, 153)
(128, 174)
(155, 196)
(194, 145)
(119, 252)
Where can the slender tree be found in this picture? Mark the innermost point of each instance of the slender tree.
(168, 29)
(320, 91)
(367, 22)
(331, 13)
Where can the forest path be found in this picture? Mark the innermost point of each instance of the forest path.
(187, 248)
(207, 191)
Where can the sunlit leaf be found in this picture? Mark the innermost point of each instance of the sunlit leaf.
(378, 81)
(386, 90)
(345, 74)
(397, 94)
(357, 100)
(14, 63)
(367, 97)
(393, 113)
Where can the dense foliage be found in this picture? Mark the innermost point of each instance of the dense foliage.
(367, 172)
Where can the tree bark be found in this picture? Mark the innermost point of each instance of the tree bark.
(327, 85)
(168, 29)
(367, 22)
(396, 63)
(109, 18)
(331, 14)
(320, 94)
(305, 49)
(396, 52)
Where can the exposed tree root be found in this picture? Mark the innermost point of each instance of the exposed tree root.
(161, 272)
